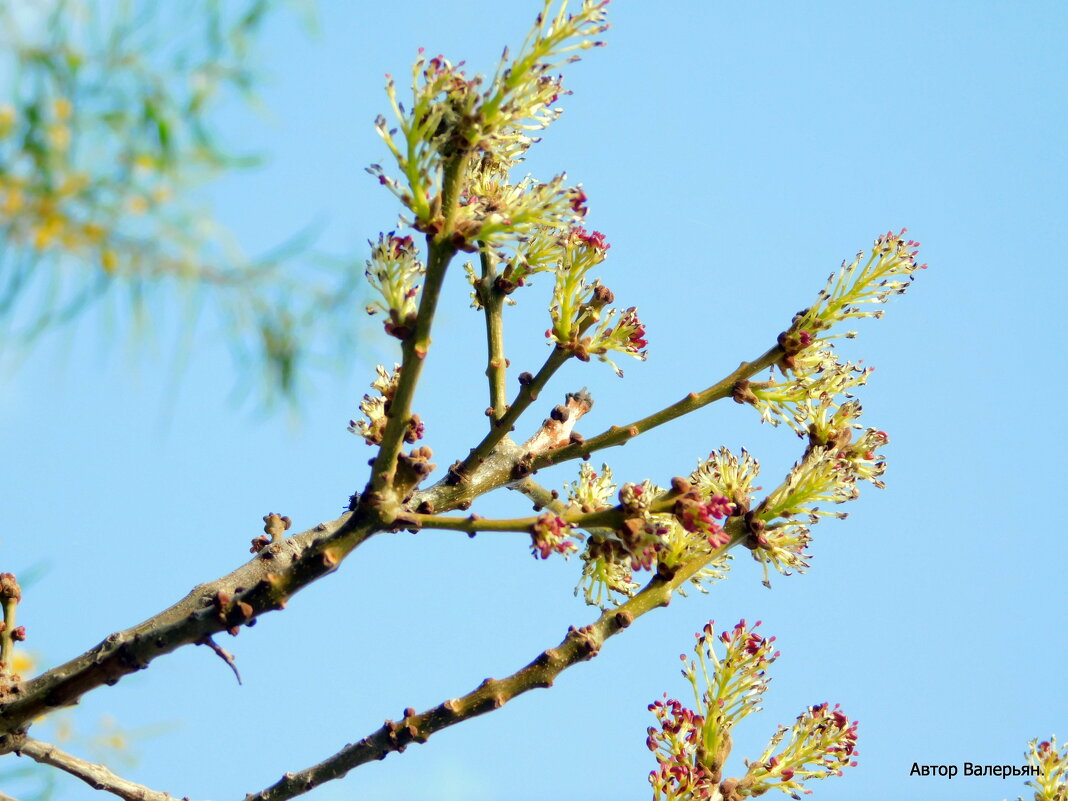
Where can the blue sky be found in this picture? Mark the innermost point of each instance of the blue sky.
(733, 155)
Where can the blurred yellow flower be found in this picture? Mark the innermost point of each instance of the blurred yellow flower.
(58, 136)
(108, 260)
(7, 119)
(12, 201)
(62, 108)
(22, 663)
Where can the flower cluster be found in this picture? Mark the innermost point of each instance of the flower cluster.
(453, 115)
(888, 271)
(658, 529)
(828, 473)
(692, 747)
(650, 534)
(724, 474)
(699, 516)
(606, 573)
(820, 743)
(677, 742)
(538, 252)
(393, 270)
(797, 401)
(578, 305)
(592, 490)
(551, 534)
(375, 409)
(1051, 783)
(782, 545)
(496, 213)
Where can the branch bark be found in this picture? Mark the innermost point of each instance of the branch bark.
(497, 468)
(579, 645)
(260, 585)
(95, 775)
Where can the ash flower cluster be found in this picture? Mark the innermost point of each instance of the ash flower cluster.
(669, 535)
(592, 490)
(376, 407)
(452, 114)
(727, 475)
(888, 271)
(820, 743)
(692, 747)
(497, 213)
(393, 270)
(1051, 783)
(796, 401)
(819, 383)
(551, 534)
(779, 529)
(578, 306)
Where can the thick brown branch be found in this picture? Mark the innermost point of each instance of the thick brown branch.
(96, 776)
(260, 585)
(579, 645)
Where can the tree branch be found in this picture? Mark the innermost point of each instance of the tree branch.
(260, 585)
(492, 301)
(542, 497)
(498, 469)
(528, 393)
(441, 249)
(96, 776)
(579, 645)
(621, 435)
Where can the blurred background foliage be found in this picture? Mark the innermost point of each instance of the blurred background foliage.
(106, 133)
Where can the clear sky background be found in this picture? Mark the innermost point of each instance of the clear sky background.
(733, 155)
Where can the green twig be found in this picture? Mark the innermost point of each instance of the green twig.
(579, 645)
(492, 301)
(417, 344)
(448, 494)
(528, 393)
(620, 435)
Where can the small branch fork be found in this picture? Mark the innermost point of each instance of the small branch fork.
(96, 776)
(579, 645)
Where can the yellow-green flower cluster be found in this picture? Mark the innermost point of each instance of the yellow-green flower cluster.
(453, 115)
(799, 400)
(592, 491)
(887, 271)
(821, 743)
(393, 270)
(375, 407)
(692, 747)
(1051, 783)
(723, 473)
